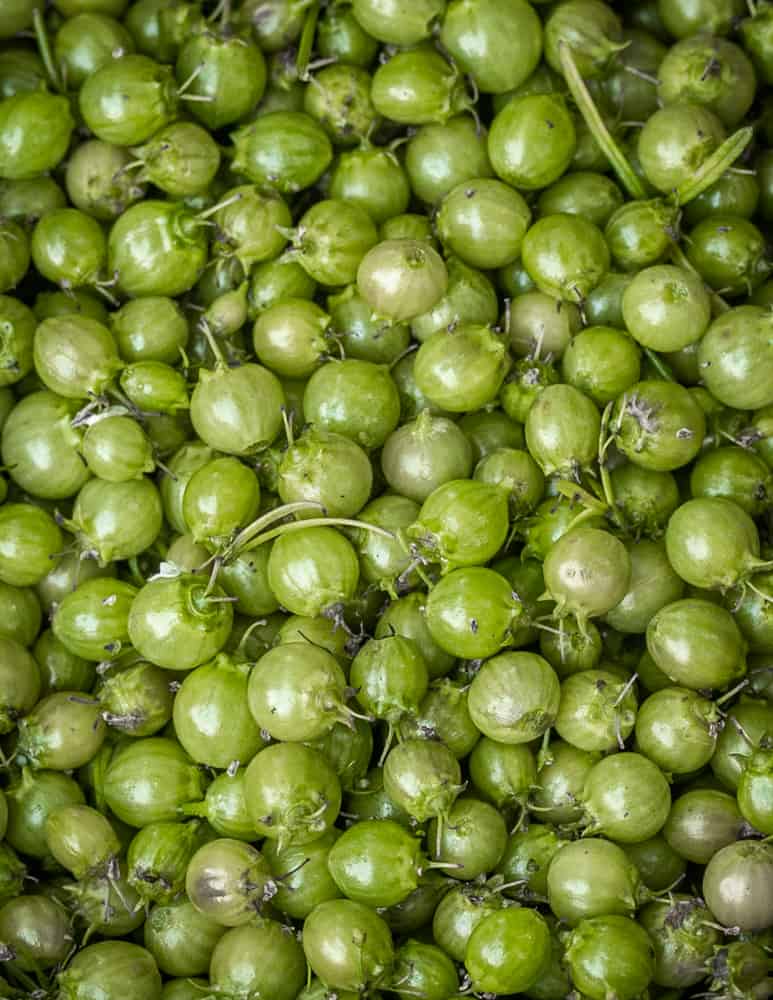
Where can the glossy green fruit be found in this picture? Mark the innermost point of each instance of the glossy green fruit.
(675, 142)
(148, 781)
(180, 938)
(230, 74)
(616, 804)
(658, 425)
(91, 620)
(666, 308)
(514, 697)
(374, 179)
(439, 157)
(361, 952)
(610, 953)
(483, 222)
(14, 255)
(474, 32)
(566, 256)
(156, 248)
(296, 692)
(64, 731)
(237, 410)
(211, 717)
(17, 17)
(418, 87)
(40, 446)
(461, 523)
(461, 370)
(602, 362)
(728, 90)
(399, 23)
(128, 99)
(182, 159)
(29, 540)
(735, 358)
(75, 356)
(589, 29)
(175, 625)
(677, 633)
(237, 961)
(541, 120)
(402, 278)
(35, 131)
(357, 399)
(284, 150)
(114, 968)
(507, 951)
(293, 795)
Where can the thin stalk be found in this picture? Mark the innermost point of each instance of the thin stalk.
(315, 522)
(306, 43)
(574, 492)
(604, 442)
(44, 47)
(585, 515)
(711, 170)
(207, 212)
(733, 691)
(287, 420)
(595, 123)
(213, 344)
(659, 364)
(248, 533)
(186, 84)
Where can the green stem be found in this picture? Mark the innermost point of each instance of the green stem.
(711, 170)
(760, 566)
(41, 35)
(586, 515)
(315, 522)
(213, 344)
(306, 43)
(598, 129)
(545, 757)
(136, 574)
(213, 209)
(659, 365)
(574, 492)
(276, 514)
(732, 692)
(606, 479)
(18, 974)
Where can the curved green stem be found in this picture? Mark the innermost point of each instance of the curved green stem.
(598, 129)
(585, 515)
(711, 170)
(213, 344)
(276, 514)
(314, 522)
(760, 566)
